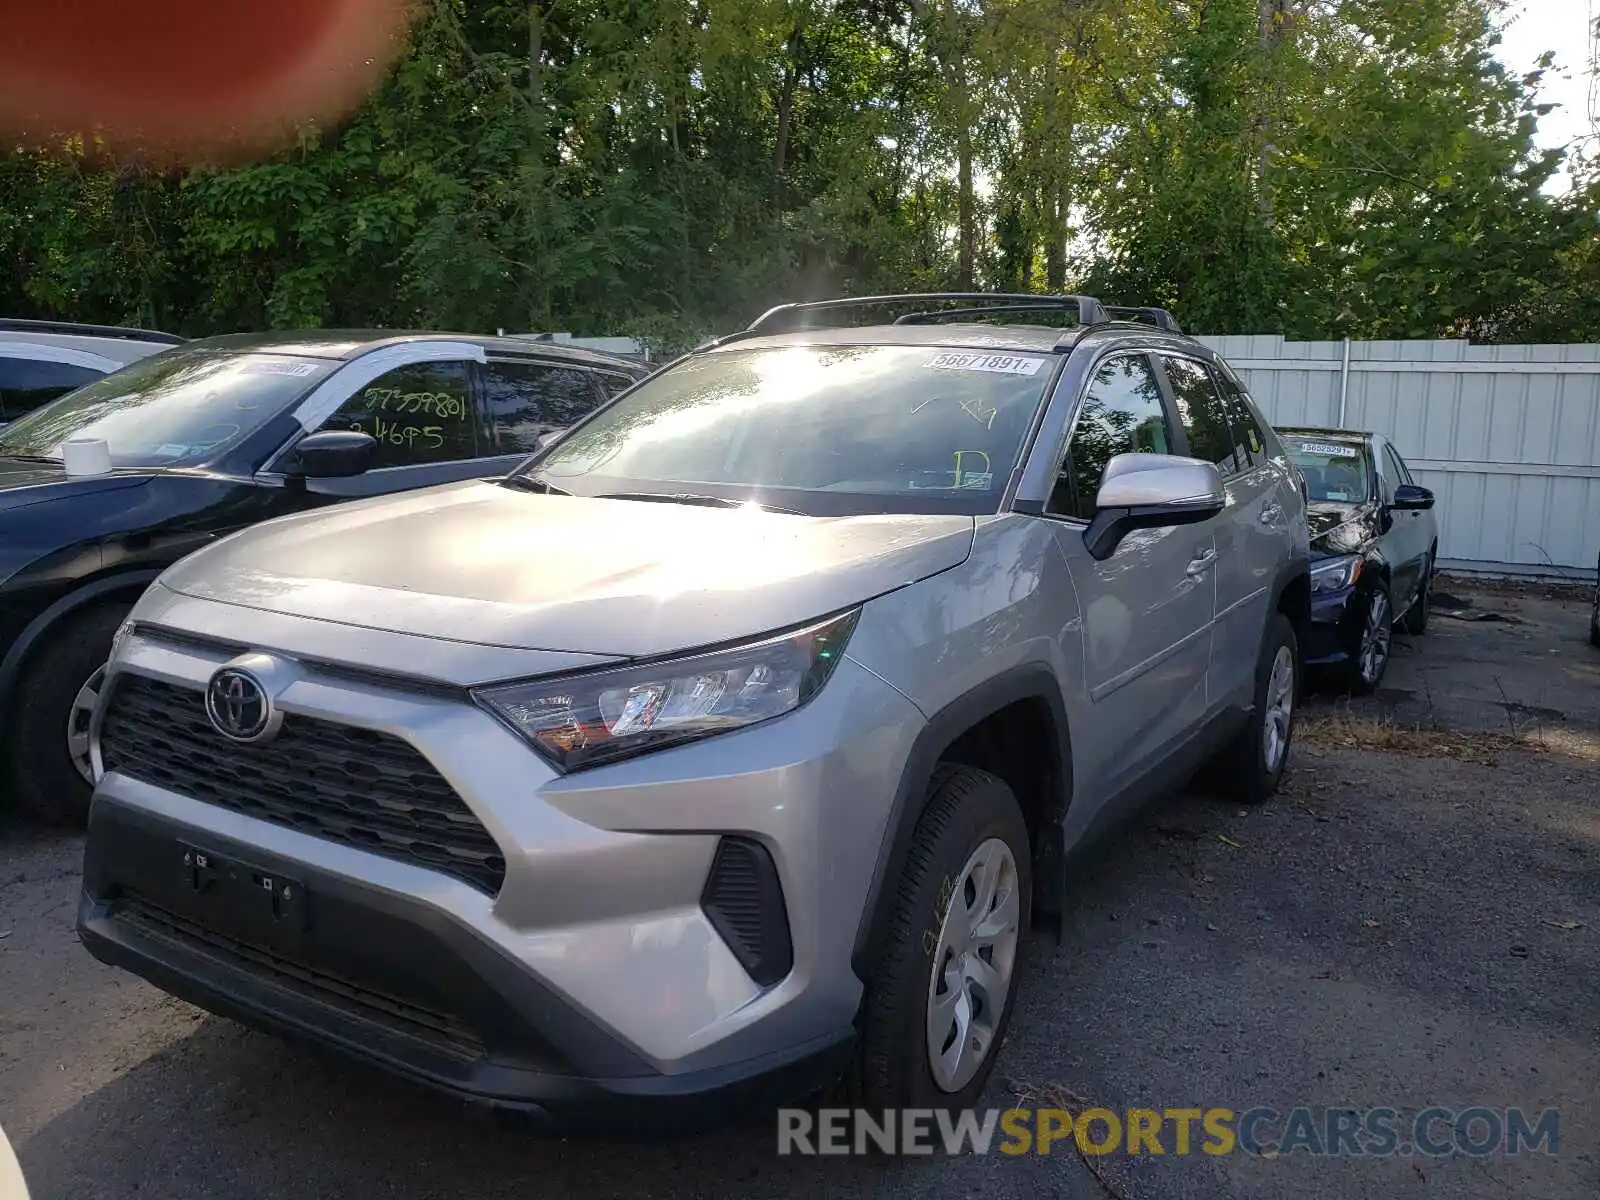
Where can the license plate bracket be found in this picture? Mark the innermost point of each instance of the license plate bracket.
(237, 896)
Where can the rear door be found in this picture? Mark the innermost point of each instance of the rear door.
(1263, 489)
(1146, 610)
(525, 399)
(1241, 595)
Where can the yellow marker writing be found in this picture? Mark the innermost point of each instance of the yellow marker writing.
(960, 457)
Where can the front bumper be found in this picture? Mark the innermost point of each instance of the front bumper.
(389, 981)
(598, 964)
(1334, 633)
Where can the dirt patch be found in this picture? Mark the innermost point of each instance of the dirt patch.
(1383, 732)
(1351, 731)
(1512, 589)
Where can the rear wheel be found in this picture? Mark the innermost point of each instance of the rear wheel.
(1415, 622)
(1250, 768)
(47, 744)
(941, 995)
(1594, 613)
(1371, 658)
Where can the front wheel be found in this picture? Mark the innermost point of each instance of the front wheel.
(47, 743)
(1371, 658)
(941, 995)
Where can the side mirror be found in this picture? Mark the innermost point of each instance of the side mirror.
(1410, 496)
(1151, 491)
(332, 454)
(545, 438)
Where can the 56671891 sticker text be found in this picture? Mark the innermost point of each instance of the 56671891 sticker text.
(996, 364)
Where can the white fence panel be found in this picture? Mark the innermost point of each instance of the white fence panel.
(1507, 436)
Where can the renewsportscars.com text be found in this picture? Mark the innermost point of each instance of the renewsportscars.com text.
(1377, 1132)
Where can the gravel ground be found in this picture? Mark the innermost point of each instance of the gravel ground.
(1415, 920)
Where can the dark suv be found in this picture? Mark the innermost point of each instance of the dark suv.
(214, 435)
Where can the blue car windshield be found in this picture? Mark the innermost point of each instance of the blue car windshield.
(1335, 471)
(178, 408)
(821, 429)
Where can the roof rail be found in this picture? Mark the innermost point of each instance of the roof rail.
(1159, 317)
(784, 317)
(80, 329)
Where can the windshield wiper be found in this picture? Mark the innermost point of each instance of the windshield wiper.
(697, 498)
(526, 483)
(36, 458)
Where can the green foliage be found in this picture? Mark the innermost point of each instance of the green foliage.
(669, 168)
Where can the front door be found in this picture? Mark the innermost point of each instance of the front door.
(428, 426)
(1411, 535)
(1146, 610)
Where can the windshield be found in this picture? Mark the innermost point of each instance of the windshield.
(824, 430)
(1335, 471)
(173, 409)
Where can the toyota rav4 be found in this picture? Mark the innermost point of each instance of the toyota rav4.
(733, 742)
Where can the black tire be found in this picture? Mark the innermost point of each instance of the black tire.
(1415, 622)
(44, 782)
(966, 807)
(1242, 772)
(1364, 682)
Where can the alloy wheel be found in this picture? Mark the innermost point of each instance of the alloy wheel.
(78, 719)
(1375, 637)
(973, 964)
(1279, 709)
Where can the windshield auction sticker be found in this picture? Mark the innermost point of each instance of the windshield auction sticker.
(996, 364)
(1327, 449)
(273, 366)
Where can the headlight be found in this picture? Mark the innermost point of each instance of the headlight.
(586, 720)
(1336, 574)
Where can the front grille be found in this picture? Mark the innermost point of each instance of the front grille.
(355, 786)
(444, 1030)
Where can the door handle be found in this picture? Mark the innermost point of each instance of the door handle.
(1197, 565)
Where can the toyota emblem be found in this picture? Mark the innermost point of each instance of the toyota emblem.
(239, 707)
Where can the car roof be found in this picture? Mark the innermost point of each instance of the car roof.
(122, 350)
(974, 335)
(353, 343)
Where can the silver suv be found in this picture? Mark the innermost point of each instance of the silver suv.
(730, 745)
(42, 360)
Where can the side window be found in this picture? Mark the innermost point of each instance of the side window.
(420, 413)
(526, 399)
(1387, 476)
(28, 383)
(1205, 421)
(1250, 444)
(1397, 465)
(1121, 413)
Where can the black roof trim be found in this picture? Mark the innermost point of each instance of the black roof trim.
(1159, 317)
(81, 329)
(785, 318)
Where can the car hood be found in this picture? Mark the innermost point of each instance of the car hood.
(24, 483)
(481, 563)
(1340, 528)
